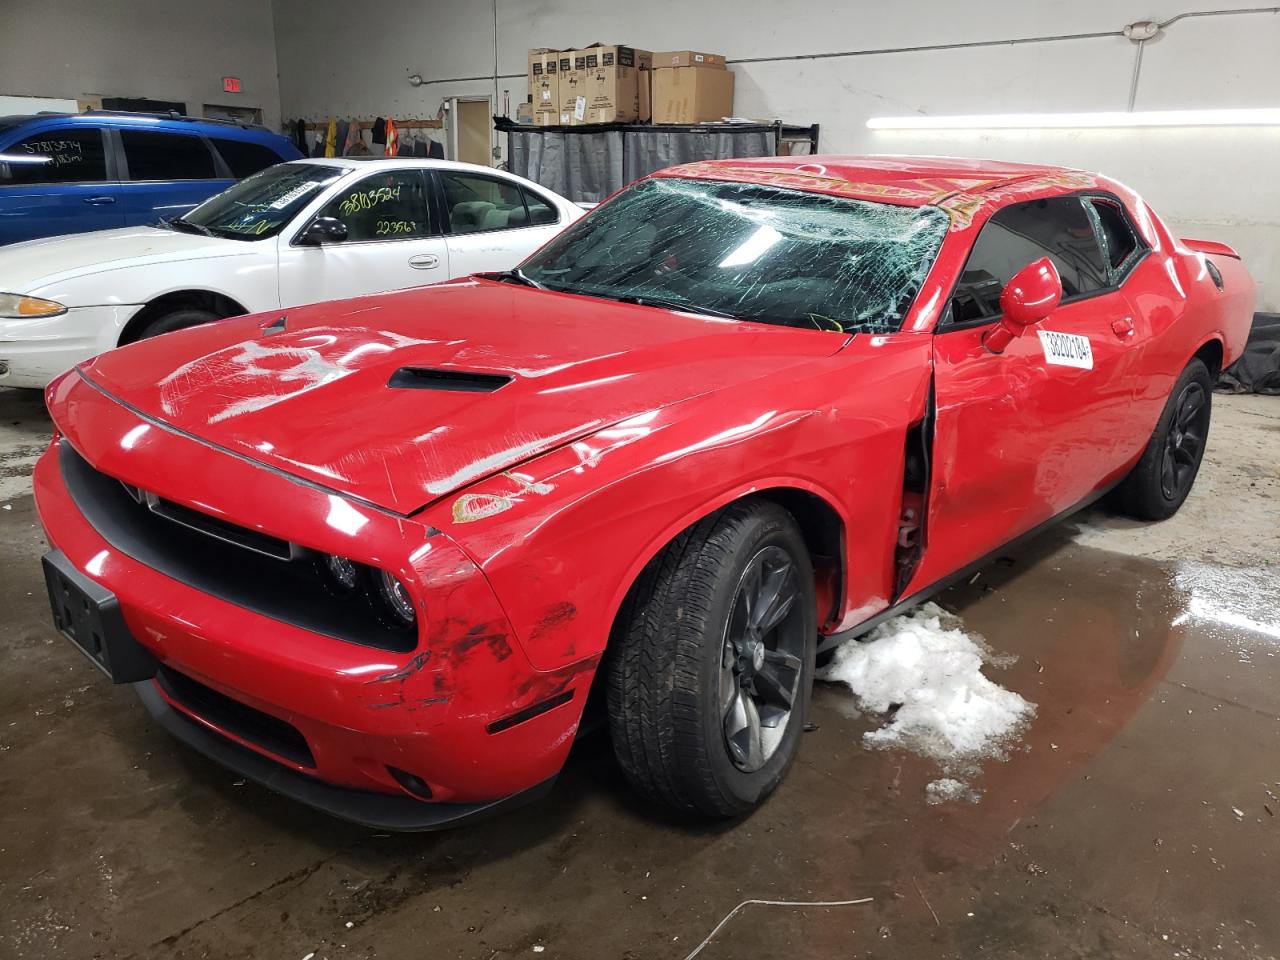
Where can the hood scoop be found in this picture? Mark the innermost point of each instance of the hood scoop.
(449, 381)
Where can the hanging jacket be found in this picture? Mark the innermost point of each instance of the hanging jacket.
(354, 136)
(331, 139)
(393, 139)
(300, 136)
(379, 131)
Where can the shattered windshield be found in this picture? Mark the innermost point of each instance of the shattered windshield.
(262, 204)
(749, 252)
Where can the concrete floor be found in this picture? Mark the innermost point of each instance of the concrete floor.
(1141, 817)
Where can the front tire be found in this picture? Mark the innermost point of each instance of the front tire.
(1162, 479)
(178, 319)
(712, 663)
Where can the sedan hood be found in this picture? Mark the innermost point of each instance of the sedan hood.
(401, 399)
(40, 267)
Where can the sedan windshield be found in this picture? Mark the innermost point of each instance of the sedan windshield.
(749, 252)
(261, 205)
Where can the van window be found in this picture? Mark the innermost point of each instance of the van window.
(245, 159)
(57, 156)
(166, 156)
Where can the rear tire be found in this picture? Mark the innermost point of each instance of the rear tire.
(712, 661)
(178, 319)
(1159, 483)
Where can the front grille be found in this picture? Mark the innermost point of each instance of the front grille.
(219, 529)
(289, 591)
(239, 719)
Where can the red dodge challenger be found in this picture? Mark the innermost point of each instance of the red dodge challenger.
(380, 554)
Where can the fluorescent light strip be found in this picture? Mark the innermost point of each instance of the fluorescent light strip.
(1253, 117)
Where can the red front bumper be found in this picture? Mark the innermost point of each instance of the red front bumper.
(464, 712)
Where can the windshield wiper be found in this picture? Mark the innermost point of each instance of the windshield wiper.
(186, 226)
(644, 300)
(515, 275)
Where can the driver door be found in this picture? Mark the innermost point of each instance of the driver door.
(1025, 435)
(393, 242)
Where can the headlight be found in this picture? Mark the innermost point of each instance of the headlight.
(340, 573)
(14, 306)
(396, 597)
(389, 598)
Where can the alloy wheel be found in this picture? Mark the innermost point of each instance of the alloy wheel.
(761, 660)
(1184, 442)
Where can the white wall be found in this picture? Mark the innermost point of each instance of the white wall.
(159, 49)
(343, 58)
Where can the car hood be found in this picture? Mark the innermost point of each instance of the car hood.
(36, 266)
(364, 398)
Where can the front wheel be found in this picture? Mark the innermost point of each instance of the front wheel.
(712, 663)
(178, 319)
(1161, 480)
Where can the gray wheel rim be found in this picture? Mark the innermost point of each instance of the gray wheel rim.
(762, 659)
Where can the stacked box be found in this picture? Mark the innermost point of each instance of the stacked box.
(691, 87)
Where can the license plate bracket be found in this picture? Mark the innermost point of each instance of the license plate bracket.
(88, 614)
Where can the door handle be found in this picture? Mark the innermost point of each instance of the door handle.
(1122, 328)
(424, 261)
(99, 201)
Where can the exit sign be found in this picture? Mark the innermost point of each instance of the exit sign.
(231, 84)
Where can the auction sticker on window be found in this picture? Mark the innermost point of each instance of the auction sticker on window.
(1066, 349)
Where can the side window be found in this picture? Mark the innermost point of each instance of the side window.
(59, 156)
(540, 212)
(245, 159)
(386, 206)
(475, 204)
(166, 156)
(1058, 227)
(1118, 238)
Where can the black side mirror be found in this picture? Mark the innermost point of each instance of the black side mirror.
(324, 230)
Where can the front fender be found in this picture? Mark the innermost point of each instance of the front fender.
(562, 538)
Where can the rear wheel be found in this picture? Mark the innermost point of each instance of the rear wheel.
(1162, 479)
(711, 666)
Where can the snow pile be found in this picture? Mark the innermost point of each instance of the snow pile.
(948, 788)
(924, 673)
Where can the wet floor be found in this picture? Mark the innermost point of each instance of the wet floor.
(1138, 816)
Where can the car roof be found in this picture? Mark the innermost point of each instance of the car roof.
(367, 163)
(152, 121)
(903, 180)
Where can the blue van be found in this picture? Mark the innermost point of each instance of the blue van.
(70, 173)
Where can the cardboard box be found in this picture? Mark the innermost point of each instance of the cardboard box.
(524, 112)
(691, 95)
(688, 58)
(544, 86)
(612, 83)
(572, 79)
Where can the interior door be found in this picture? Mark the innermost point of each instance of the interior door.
(1025, 435)
(57, 181)
(393, 242)
(493, 223)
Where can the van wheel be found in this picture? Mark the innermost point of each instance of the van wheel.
(178, 319)
(712, 662)
(1161, 480)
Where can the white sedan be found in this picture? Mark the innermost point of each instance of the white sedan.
(299, 232)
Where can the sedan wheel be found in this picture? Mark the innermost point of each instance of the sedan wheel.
(710, 667)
